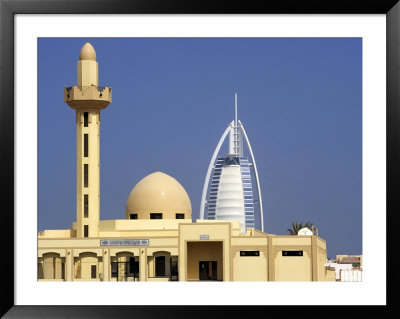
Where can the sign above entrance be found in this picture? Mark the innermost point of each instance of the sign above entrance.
(125, 242)
(204, 237)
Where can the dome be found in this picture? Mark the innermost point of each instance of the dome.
(87, 52)
(158, 193)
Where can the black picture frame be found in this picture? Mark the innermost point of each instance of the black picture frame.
(8, 10)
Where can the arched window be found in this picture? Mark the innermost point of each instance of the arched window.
(51, 266)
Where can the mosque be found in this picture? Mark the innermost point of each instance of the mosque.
(158, 240)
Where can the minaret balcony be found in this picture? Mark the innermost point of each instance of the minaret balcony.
(87, 96)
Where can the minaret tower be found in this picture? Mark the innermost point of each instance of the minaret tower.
(87, 98)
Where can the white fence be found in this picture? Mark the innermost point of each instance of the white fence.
(350, 275)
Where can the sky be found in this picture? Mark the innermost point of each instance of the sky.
(299, 99)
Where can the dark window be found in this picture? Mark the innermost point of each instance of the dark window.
(93, 269)
(86, 145)
(85, 119)
(232, 160)
(120, 269)
(207, 270)
(180, 216)
(85, 175)
(174, 270)
(114, 269)
(160, 266)
(86, 231)
(86, 206)
(248, 253)
(134, 267)
(292, 253)
(155, 215)
(62, 270)
(132, 216)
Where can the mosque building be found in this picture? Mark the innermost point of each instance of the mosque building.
(158, 240)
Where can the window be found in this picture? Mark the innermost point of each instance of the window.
(85, 175)
(134, 267)
(86, 206)
(174, 270)
(132, 216)
(180, 216)
(248, 253)
(292, 253)
(155, 215)
(114, 269)
(93, 269)
(86, 231)
(62, 270)
(85, 119)
(160, 266)
(86, 145)
(232, 160)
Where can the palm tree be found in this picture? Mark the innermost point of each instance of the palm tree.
(297, 226)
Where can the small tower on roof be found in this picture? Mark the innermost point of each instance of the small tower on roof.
(87, 99)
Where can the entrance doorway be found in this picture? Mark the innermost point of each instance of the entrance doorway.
(207, 270)
(204, 261)
(160, 266)
(125, 270)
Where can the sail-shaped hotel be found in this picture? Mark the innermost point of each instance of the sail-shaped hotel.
(234, 192)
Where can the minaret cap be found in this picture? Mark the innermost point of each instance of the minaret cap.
(87, 52)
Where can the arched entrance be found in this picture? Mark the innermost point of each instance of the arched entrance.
(51, 266)
(125, 266)
(162, 266)
(88, 266)
(204, 260)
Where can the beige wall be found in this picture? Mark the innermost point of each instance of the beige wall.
(330, 275)
(293, 268)
(321, 264)
(87, 73)
(250, 268)
(84, 263)
(203, 251)
(223, 245)
(216, 232)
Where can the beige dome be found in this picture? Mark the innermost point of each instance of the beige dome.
(87, 52)
(158, 193)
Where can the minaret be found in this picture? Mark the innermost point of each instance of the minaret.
(87, 98)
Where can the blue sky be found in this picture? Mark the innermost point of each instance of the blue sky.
(300, 100)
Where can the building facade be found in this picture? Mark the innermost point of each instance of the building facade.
(346, 267)
(168, 250)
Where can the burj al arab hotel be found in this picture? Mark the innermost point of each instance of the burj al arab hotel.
(234, 191)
